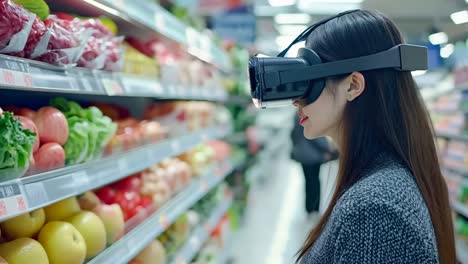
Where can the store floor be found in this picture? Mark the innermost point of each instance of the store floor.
(276, 223)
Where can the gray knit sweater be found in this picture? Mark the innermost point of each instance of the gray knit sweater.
(381, 219)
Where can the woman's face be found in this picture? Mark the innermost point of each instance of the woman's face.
(323, 117)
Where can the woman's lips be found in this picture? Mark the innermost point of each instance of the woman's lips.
(303, 118)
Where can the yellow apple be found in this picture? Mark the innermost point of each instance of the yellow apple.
(93, 231)
(152, 254)
(63, 243)
(23, 250)
(61, 210)
(25, 225)
(112, 217)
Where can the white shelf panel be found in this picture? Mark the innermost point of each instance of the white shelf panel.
(462, 251)
(460, 208)
(452, 136)
(136, 240)
(201, 234)
(36, 76)
(29, 193)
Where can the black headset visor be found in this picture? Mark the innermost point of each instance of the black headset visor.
(276, 81)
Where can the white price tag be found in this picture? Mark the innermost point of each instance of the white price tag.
(112, 87)
(159, 22)
(15, 78)
(195, 243)
(80, 179)
(119, 3)
(12, 200)
(158, 89)
(175, 144)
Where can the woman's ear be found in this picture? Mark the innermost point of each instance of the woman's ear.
(357, 85)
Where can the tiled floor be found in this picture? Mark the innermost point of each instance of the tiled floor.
(276, 223)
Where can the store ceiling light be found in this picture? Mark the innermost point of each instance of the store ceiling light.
(333, 1)
(418, 73)
(282, 2)
(290, 30)
(328, 7)
(297, 18)
(438, 38)
(447, 50)
(460, 17)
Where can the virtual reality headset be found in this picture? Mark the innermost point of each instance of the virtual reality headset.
(277, 81)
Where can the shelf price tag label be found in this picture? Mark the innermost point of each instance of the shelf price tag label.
(15, 78)
(119, 3)
(181, 260)
(203, 186)
(112, 87)
(12, 200)
(164, 221)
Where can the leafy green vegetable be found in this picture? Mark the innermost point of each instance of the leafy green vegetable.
(15, 143)
(90, 130)
(39, 7)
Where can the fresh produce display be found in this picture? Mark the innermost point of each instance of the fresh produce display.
(62, 232)
(39, 7)
(148, 190)
(16, 147)
(90, 131)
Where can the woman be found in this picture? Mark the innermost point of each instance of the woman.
(311, 154)
(391, 203)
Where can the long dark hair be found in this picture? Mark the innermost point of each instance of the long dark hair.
(389, 116)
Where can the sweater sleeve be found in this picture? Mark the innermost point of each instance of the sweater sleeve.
(381, 233)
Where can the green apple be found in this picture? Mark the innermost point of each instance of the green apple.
(23, 250)
(63, 243)
(93, 231)
(25, 225)
(61, 210)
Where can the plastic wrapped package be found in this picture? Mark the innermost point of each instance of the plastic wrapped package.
(15, 25)
(94, 55)
(65, 46)
(37, 41)
(115, 54)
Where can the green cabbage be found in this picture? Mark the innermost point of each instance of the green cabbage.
(15, 145)
(93, 131)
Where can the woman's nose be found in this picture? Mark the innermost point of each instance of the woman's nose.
(296, 103)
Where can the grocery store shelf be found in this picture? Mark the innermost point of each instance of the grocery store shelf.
(461, 171)
(452, 136)
(462, 251)
(28, 75)
(29, 193)
(145, 18)
(201, 234)
(460, 208)
(135, 241)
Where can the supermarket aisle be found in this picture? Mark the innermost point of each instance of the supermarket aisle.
(276, 223)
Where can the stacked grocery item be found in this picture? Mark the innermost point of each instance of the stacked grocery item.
(69, 231)
(62, 134)
(58, 39)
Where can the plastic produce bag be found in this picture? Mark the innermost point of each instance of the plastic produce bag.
(94, 55)
(115, 52)
(37, 40)
(15, 25)
(65, 46)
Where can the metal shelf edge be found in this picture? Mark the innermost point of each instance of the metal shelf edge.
(201, 234)
(44, 189)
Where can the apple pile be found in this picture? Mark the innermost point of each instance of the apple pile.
(70, 231)
(51, 129)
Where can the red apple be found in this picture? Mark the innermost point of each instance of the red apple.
(132, 183)
(128, 201)
(106, 195)
(48, 157)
